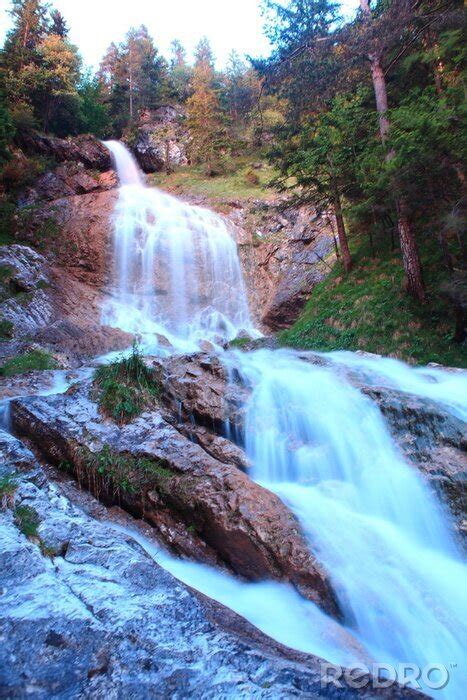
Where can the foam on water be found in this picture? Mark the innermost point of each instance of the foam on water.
(382, 535)
(176, 272)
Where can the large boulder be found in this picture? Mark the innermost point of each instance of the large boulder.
(191, 498)
(161, 140)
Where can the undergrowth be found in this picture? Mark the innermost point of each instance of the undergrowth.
(8, 488)
(126, 387)
(113, 473)
(28, 362)
(27, 520)
(369, 309)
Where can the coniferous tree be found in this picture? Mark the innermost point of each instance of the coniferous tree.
(180, 73)
(205, 120)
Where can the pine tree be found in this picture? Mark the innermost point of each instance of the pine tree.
(205, 120)
(180, 73)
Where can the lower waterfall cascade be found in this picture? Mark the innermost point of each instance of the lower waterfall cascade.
(314, 439)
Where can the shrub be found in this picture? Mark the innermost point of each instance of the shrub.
(127, 387)
(28, 362)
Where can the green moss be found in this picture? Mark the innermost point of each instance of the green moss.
(28, 362)
(8, 488)
(27, 520)
(239, 342)
(127, 387)
(370, 310)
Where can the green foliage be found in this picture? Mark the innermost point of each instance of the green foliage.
(27, 520)
(8, 488)
(94, 115)
(39, 69)
(31, 361)
(369, 310)
(127, 386)
(6, 329)
(232, 185)
(111, 474)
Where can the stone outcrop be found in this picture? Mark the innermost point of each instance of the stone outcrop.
(45, 305)
(67, 180)
(85, 149)
(86, 612)
(192, 499)
(285, 253)
(161, 140)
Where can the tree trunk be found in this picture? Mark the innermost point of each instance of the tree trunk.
(410, 254)
(341, 233)
(409, 248)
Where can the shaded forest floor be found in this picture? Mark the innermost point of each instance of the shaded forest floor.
(369, 310)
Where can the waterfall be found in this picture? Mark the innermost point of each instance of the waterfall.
(314, 439)
(176, 267)
(324, 448)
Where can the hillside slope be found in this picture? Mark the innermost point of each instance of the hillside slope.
(370, 310)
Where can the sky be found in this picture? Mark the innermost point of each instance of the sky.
(228, 24)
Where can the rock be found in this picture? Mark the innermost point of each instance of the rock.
(48, 307)
(242, 524)
(284, 252)
(75, 232)
(161, 140)
(85, 149)
(199, 387)
(432, 437)
(67, 180)
(97, 617)
(24, 299)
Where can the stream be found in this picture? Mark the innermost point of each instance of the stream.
(313, 438)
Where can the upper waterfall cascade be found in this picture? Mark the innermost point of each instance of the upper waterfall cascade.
(176, 267)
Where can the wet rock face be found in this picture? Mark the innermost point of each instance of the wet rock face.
(198, 388)
(24, 301)
(85, 612)
(191, 498)
(432, 438)
(162, 139)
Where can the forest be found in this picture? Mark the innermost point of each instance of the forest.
(362, 117)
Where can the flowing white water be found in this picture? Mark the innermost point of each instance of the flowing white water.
(446, 386)
(323, 447)
(177, 271)
(316, 441)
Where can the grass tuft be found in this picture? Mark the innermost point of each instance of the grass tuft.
(27, 520)
(8, 488)
(127, 386)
